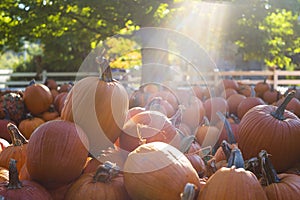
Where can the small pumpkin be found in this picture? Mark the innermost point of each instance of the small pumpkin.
(17, 150)
(37, 98)
(28, 125)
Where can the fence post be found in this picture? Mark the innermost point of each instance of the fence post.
(44, 76)
(275, 79)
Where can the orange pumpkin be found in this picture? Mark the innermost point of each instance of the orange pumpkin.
(56, 153)
(17, 150)
(99, 106)
(27, 126)
(37, 98)
(105, 183)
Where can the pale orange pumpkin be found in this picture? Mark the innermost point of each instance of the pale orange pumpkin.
(99, 106)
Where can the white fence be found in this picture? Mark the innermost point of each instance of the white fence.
(277, 77)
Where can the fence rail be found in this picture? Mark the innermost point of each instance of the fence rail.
(276, 78)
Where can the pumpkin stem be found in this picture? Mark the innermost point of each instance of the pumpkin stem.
(138, 131)
(32, 82)
(227, 125)
(177, 117)
(236, 158)
(186, 143)
(14, 182)
(154, 104)
(226, 149)
(189, 192)
(106, 172)
(253, 93)
(106, 75)
(268, 171)
(252, 165)
(279, 112)
(16, 136)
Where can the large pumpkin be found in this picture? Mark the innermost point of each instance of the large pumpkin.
(274, 129)
(158, 171)
(56, 153)
(99, 106)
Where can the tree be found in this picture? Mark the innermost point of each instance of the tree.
(69, 30)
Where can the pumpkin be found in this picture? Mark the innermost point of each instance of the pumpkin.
(234, 101)
(271, 96)
(193, 112)
(278, 186)
(4, 133)
(17, 150)
(228, 92)
(214, 104)
(66, 87)
(145, 127)
(105, 114)
(12, 107)
(232, 182)
(245, 89)
(274, 129)
(293, 105)
(37, 98)
(27, 126)
(56, 153)
(247, 104)
(50, 114)
(16, 189)
(133, 111)
(158, 170)
(161, 105)
(207, 134)
(59, 101)
(105, 183)
(51, 84)
(261, 87)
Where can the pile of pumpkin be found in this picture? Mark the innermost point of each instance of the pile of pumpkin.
(93, 140)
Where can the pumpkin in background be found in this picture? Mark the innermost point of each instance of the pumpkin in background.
(271, 96)
(27, 126)
(161, 105)
(37, 98)
(99, 106)
(228, 92)
(16, 189)
(146, 127)
(66, 87)
(105, 183)
(274, 129)
(207, 134)
(12, 107)
(293, 105)
(261, 87)
(247, 104)
(245, 89)
(50, 114)
(193, 112)
(278, 186)
(17, 150)
(56, 153)
(214, 104)
(133, 111)
(59, 101)
(51, 84)
(234, 101)
(157, 171)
